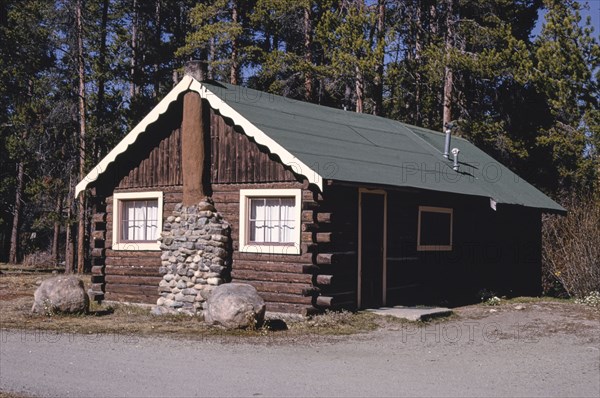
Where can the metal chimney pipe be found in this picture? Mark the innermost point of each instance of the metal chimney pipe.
(449, 127)
(455, 152)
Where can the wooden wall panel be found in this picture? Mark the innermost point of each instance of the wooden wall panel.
(284, 281)
(336, 220)
(155, 160)
(236, 162)
(160, 167)
(235, 158)
(124, 268)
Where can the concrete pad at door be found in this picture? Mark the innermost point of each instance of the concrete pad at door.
(412, 313)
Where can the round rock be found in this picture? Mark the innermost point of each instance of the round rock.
(235, 306)
(61, 294)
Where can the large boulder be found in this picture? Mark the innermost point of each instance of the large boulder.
(61, 294)
(235, 306)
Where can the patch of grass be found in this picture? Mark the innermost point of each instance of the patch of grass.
(493, 301)
(125, 320)
(336, 323)
(6, 394)
(23, 268)
(535, 300)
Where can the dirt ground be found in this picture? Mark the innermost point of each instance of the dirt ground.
(16, 299)
(527, 316)
(522, 347)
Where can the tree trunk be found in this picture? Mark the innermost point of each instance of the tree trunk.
(69, 244)
(81, 234)
(308, 75)
(267, 42)
(433, 19)
(81, 73)
(56, 232)
(321, 82)
(14, 236)
(97, 150)
(212, 54)
(448, 75)
(447, 102)
(378, 81)
(133, 63)
(347, 96)
(359, 92)
(157, 45)
(393, 100)
(102, 55)
(418, 51)
(234, 71)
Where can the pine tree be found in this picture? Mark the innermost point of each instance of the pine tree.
(25, 56)
(566, 57)
(284, 56)
(347, 34)
(82, 135)
(216, 38)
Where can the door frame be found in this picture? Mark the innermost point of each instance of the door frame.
(384, 265)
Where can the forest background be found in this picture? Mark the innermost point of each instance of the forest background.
(519, 77)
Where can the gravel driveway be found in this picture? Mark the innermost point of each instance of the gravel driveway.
(544, 350)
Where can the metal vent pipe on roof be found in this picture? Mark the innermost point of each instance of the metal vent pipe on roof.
(455, 152)
(449, 127)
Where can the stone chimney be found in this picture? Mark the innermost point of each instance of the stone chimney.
(195, 69)
(196, 257)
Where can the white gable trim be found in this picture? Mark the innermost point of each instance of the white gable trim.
(297, 166)
(133, 135)
(189, 83)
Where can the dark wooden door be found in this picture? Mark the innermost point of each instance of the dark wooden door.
(372, 237)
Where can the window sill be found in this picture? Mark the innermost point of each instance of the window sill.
(270, 249)
(434, 248)
(133, 246)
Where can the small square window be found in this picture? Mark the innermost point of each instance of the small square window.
(137, 220)
(270, 220)
(434, 231)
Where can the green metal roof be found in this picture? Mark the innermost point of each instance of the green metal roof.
(361, 148)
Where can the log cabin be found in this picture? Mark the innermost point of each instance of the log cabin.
(326, 208)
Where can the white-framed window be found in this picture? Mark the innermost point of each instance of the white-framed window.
(137, 220)
(270, 220)
(434, 231)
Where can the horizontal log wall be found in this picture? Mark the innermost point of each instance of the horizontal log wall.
(284, 281)
(152, 163)
(133, 275)
(335, 222)
(288, 283)
(97, 247)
